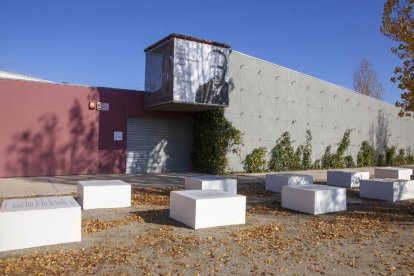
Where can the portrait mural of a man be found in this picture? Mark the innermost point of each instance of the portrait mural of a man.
(216, 89)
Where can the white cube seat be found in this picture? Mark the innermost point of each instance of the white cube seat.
(387, 189)
(211, 182)
(275, 182)
(31, 222)
(345, 179)
(207, 208)
(393, 173)
(104, 194)
(314, 199)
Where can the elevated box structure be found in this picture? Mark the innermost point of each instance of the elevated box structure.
(211, 182)
(32, 222)
(184, 73)
(314, 199)
(387, 189)
(393, 173)
(275, 182)
(345, 179)
(97, 194)
(207, 208)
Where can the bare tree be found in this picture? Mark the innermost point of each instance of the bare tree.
(365, 80)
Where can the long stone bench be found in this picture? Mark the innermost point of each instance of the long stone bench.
(32, 222)
(207, 208)
(275, 182)
(345, 179)
(393, 173)
(314, 199)
(387, 189)
(104, 194)
(207, 182)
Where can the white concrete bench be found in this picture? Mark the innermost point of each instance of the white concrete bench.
(393, 173)
(32, 222)
(387, 189)
(208, 182)
(346, 179)
(275, 182)
(314, 199)
(207, 208)
(104, 194)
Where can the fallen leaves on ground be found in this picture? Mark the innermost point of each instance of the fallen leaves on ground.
(254, 191)
(269, 209)
(97, 225)
(151, 196)
(68, 262)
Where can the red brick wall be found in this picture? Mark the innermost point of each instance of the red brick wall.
(48, 129)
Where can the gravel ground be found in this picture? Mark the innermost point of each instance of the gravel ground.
(371, 237)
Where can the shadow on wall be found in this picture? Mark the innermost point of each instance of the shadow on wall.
(56, 148)
(379, 132)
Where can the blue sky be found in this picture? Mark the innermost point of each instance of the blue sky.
(101, 43)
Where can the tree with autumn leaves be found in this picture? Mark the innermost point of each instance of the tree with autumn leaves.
(398, 24)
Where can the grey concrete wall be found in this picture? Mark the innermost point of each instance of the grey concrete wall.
(267, 100)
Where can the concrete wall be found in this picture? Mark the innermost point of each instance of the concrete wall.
(48, 129)
(267, 100)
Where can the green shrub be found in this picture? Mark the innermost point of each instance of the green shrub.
(349, 161)
(214, 137)
(330, 160)
(410, 156)
(307, 151)
(317, 165)
(256, 161)
(282, 154)
(390, 155)
(339, 157)
(380, 160)
(366, 155)
(400, 159)
(327, 160)
(297, 159)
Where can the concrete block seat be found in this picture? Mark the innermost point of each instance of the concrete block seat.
(207, 208)
(314, 199)
(387, 189)
(208, 182)
(393, 173)
(275, 182)
(345, 179)
(31, 222)
(104, 194)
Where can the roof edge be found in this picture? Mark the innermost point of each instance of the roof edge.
(186, 37)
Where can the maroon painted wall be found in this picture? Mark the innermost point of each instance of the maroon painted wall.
(48, 129)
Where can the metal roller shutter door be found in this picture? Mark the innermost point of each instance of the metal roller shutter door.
(158, 145)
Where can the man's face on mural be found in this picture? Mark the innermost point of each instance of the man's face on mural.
(217, 68)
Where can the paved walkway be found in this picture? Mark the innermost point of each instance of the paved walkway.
(60, 185)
